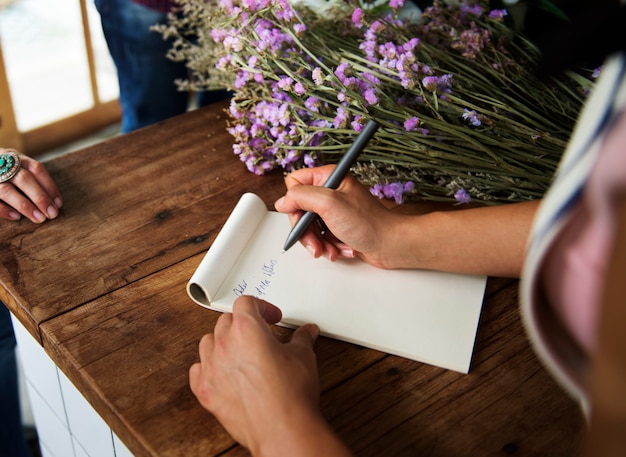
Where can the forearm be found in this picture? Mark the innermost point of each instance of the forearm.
(306, 434)
(486, 240)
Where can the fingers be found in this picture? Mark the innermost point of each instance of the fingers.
(30, 193)
(258, 308)
(197, 381)
(309, 176)
(306, 335)
(43, 178)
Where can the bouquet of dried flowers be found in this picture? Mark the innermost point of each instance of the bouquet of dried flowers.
(462, 115)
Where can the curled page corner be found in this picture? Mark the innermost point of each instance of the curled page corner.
(198, 294)
(228, 246)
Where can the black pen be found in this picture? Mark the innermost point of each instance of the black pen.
(334, 179)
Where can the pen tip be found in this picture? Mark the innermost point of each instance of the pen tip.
(283, 251)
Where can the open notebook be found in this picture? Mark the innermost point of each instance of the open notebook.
(428, 316)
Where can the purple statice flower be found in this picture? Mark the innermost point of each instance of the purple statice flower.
(285, 83)
(472, 117)
(310, 160)
(370, 96)
(218, 35)
(318, 76)
(370, 43)
(437, 83)
(340, 72)
(395, 190)
(388, 50)
(596, 72)
(242, 79)
(472, 42)
(235, 111)
(289, 159)
(357, 18)
(299, 28)
(430, 83)
(357, 123)
(462, 196)
(341, 119)
(312, 104)
(282, 9)
(371, 78)
(251, 5)
(299, 88)
(253, 61)
(224, 62)
(498, 14)
(411, 123)
(232, 43)
(396, 4)
(476, 9)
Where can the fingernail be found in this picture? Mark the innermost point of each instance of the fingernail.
(58, 202)
(310, 249)
(14, 216)
(279, 202)
(52, 212)
(38, 216)
(348, 253)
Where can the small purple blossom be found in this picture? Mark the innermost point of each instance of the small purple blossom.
(370, 96)
(476, 10)
(498, 14)
(462, 196)
(437, 83)
(596, 72)
(357, 123)
(472, 117)
(395, 190)
(285, 83)
(340, 72)
(299, 88)
(411, 123)
(396, 4)
(341, 119)
(357, 18)
(310, 160)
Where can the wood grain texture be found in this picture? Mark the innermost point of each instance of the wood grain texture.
(133, 205)
(103, 287)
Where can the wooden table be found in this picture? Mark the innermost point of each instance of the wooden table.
(102, 288)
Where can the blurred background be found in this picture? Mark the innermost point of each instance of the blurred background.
(58, 84)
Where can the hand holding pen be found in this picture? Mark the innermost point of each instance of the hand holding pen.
(334, 180)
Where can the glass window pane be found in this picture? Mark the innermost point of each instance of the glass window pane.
(46, 60)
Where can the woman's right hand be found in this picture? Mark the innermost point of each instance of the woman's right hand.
(359, 224)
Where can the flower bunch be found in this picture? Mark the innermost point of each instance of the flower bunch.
(462, 115)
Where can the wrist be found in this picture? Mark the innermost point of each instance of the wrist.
(305, 434)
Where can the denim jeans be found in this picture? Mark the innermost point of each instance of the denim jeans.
(146, 76)
(12, 441)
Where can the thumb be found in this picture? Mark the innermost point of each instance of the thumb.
(306, 335)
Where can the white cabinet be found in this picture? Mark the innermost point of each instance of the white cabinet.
(66, 423)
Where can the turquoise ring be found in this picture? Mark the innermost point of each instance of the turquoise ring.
(9, 164)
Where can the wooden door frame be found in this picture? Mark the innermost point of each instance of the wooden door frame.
(36, 141)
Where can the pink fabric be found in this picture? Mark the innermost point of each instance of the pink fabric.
(576, 264)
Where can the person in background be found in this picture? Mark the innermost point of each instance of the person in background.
(26, 190)
(146, 76)
(569, 250)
